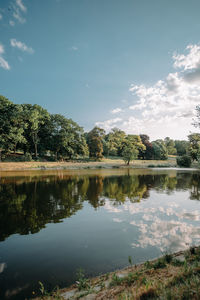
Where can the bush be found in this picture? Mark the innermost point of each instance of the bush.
(18, 158)
(184, 161)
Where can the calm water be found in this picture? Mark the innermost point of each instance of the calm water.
(51, 224)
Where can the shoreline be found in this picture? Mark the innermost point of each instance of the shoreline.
(163, 277)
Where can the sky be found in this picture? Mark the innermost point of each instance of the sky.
(131, 64)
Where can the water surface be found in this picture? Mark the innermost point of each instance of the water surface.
(53, 223)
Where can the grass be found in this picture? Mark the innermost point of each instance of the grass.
(108, 162)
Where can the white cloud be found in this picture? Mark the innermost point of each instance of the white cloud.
(21, 5)
(21, 46)
(3, 63)
(109, 123)
(189, 61)
(165, 108)
(19, 9)
(116, 110)
(1, 17)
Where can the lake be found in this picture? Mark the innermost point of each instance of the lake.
(52, 223)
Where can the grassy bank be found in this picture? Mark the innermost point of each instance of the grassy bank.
(174, 276)
(104, 163)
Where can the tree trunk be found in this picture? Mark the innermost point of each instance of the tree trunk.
(36, 154)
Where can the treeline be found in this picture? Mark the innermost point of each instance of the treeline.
(35, 133)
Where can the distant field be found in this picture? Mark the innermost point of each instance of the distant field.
(104, 163)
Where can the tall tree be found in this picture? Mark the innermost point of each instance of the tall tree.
(148, 152)
(114, 140)
(160, 150)
(67, 137)
(194, 145)
(11, 125)
(129, 153)
(181, 147)
(35, 118)
(95, 142)
(133, 140)
(170, 144)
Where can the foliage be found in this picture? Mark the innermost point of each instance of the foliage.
(159, 150)
(66, 138)
(148, 152)
(170, 145)
(181, 147)
(194, 145)
(129, 153)
(113, 142)
(33, 130)
(95, 142)
(34, 117)
(11, 125)
(184, 161)
(82, 282)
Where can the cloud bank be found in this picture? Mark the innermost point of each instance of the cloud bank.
(167, 107)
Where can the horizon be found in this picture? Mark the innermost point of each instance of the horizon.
(124, 65)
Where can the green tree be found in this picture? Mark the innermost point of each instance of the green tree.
(66, 137)
(160, 150)
(194, 145)
(181, 147)
(11, 125)
(148, 152)
(114, 140)
(95, 142)
(129, 153)
(35, 118)
(134, 141)
(170, 144)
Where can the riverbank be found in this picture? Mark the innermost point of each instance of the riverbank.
(74, 165)
(174, 276)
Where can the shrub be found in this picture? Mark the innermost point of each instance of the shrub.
(184, 161)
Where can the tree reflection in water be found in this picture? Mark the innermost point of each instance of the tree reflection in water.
(27, 205)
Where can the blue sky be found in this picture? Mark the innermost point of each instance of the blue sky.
(128, 64)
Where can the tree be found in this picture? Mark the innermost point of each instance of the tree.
(129, 153)
(95, 142)
(66, 137)
(194, 145)
(160, 150)
(133, 140)
(35, 118)
(181, 147)
(11, 125)
(114, 141)
(169, 143)
(148, 152)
